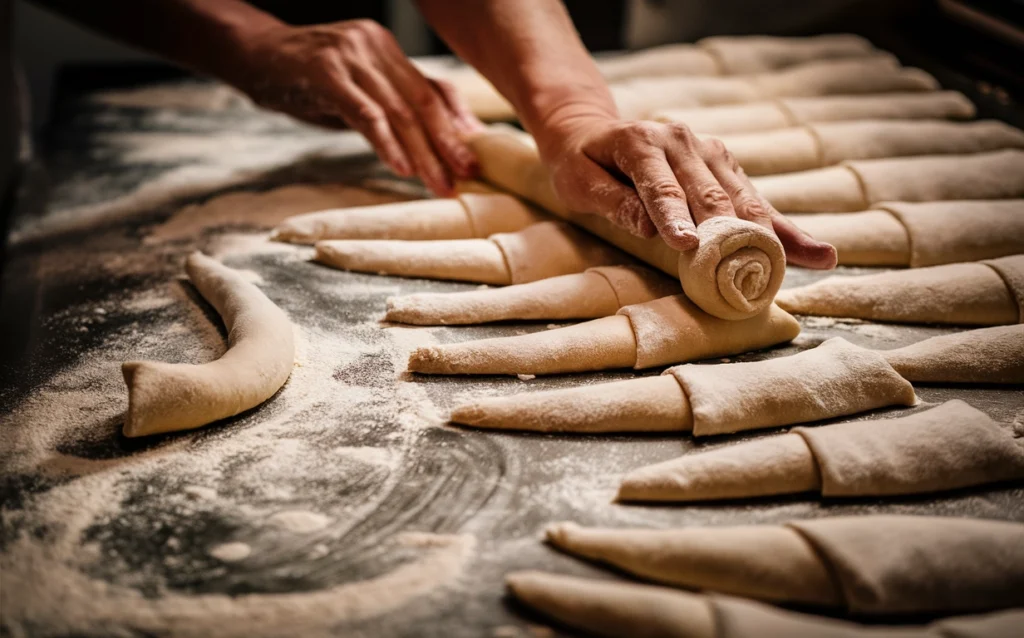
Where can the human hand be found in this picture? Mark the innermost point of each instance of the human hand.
(354, 75)
(652, 178)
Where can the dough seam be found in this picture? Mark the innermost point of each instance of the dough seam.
(615, 291)
(721, 69)
(911, 247)
(861, 184)
(474, 231)
(838, 585)
(819, 145)
(787, 112)
(1009, 289)
(818, 473)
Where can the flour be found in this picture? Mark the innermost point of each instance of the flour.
(230, 552)
(192, 96)
(299, 522)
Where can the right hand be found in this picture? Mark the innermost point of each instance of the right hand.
(353, 74)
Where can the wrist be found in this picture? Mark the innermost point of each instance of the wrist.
(239, 40)
(558, 117)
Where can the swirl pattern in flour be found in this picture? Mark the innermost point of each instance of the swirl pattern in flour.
(737, 269)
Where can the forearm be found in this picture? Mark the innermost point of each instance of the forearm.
(532, 54)
(202, 35)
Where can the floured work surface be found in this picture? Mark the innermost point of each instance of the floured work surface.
(344, 506)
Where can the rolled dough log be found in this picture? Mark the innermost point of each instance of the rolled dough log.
(834, 379)
(788, 112)
(743, 55)
(598, 292)
(667, 330)
(543, 250)
(819, 145)
(168, 397)
(949, 447)
(879, 73)
(617, 609)
(986, 355)
(922, 234)
(987, 293)
(734, 274)
(869, 565)
(466, 216)
(856, 185)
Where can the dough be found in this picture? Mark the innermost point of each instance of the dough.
(986, 355)
(736, 270)
(667, 330)
(167, 397)
(464, 217)
(987, 293)
(543, 250)
(818, 145)
(733, 275)
(868, 565)
(834, 379)
(597, 292)
(787, 112)
(946, 448)
(922, 234)
(667, 60)
(618, 609)
(738, 55)
(879, 73)
(856, 185)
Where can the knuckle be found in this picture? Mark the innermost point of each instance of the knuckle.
(715, 148)
(713, 197)
(752, 207)
(682, 132)
(665, 189)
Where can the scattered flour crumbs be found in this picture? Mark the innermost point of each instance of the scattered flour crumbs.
(54, 554)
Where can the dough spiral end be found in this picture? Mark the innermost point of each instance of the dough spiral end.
(737, 269)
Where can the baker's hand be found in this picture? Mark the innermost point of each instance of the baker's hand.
(652, 178)
(353, 74)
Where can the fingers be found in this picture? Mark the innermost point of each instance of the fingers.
(801, 248)
(365, 115)
(746, 201)
(663, 198)
(586, 186)
(465, 120)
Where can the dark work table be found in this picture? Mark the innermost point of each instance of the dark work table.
(344, 506)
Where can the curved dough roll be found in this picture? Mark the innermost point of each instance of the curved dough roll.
(788, 112)
(617, 609)
(949, 447)
(921, 234)
(987, 293)
(818, 145)
(856, 185)
(543, 250)
(464, 217)
(597, 292)
(867, 565)
(667, 330)
(167, 397)
(834, 379)
(987, 355)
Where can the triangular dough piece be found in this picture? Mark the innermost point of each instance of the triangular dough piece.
(667, 330)
(467, 216)
(987, 355)
(618, 609)
(857, 185)
(598, 292)
(168, 397)
(733, 119)
(543, 250)
(869, 565)
(946, 448)
(974, 293)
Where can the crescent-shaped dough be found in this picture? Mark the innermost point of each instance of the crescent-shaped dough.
(921, 234)
(870, 565)
(985, 293)
(617, 609)
(987, 355)
(788, 112)
(543, 250)
(949, 447)
(597, 292)
(464, 217)
(857, 185)
(818, 145)
(667, 330)
(835, 379)
(752, 257)
(167, 397)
